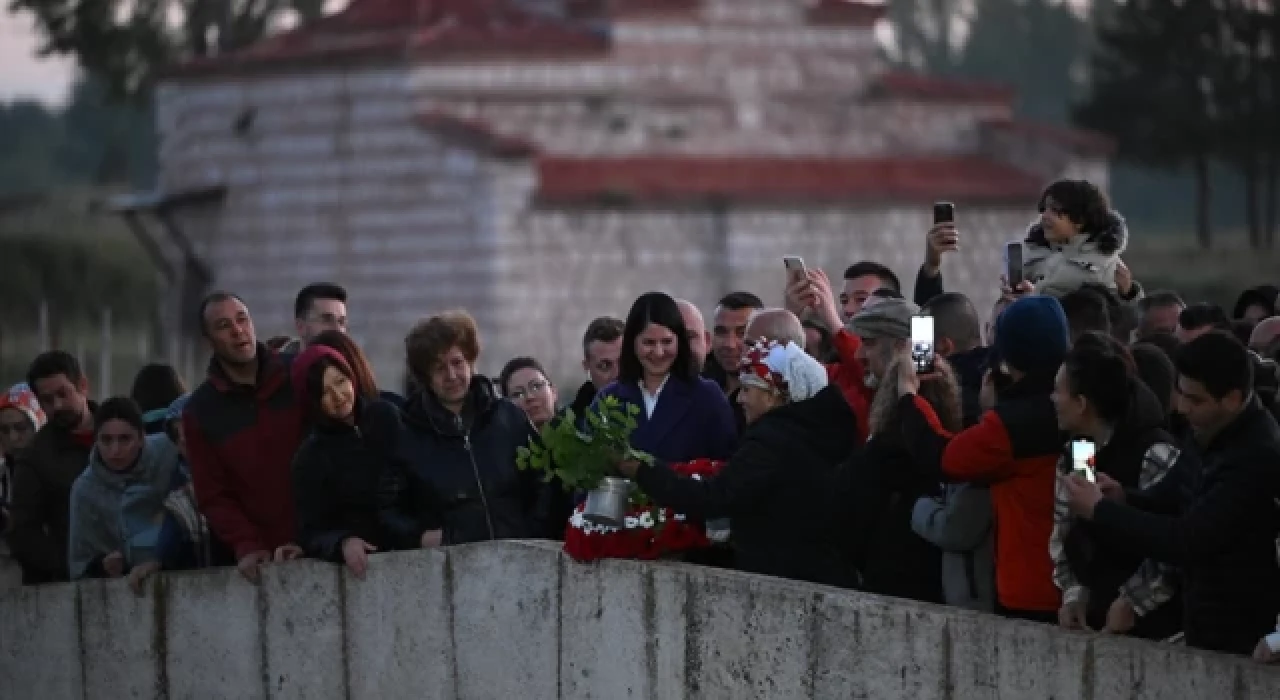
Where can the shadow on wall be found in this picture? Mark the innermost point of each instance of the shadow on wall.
(521, 620)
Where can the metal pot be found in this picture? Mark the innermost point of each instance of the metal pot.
(607, 503)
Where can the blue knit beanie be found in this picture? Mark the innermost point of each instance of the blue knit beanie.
(1032, 336)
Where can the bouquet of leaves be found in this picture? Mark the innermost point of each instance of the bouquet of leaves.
(582, 458)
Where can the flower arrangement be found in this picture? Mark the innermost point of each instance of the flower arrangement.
(647, 533)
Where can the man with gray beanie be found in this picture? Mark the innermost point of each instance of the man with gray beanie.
(1014, 448)
(885, 330)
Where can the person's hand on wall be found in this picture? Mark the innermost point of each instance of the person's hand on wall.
(1120, 617)
(250, 565)
(287, 552)
(1072, 616)
(139, 574)
(355, 552)
(432, 538)
(113, 564)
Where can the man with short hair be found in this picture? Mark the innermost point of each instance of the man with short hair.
(1158, 313)
(318, 308)
(1087, 312)
(861, 280)
(728, 339)
(601, 348)
(242, 427)
(696, 328)
(40, 514)
(958, 338)
(1201, 318)
(1224, 539)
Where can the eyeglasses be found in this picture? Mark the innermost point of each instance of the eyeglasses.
(19, 428)
(536, 386)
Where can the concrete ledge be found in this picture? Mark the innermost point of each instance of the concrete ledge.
(519, 619)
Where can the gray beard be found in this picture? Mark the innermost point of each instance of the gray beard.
(871, 381)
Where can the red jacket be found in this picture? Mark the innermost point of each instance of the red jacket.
(240, 445)
(1014, 449)
(850, 375)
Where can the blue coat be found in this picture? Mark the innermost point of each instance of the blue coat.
(692, 420)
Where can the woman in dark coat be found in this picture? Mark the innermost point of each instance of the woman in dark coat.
(337, 469)
(682, 416)
(774, 488)
(457, 481)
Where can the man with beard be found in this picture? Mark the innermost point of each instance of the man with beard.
(40, 512)
(241, 428)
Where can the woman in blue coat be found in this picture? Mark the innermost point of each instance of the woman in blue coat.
(682, 416)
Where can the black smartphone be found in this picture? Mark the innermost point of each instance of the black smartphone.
(922, 343)
(944, 213)
(1013, 263)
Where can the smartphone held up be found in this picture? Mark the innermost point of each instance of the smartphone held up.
(1083, 452)
(922, 343)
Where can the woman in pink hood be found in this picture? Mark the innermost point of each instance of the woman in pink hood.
(20, 418)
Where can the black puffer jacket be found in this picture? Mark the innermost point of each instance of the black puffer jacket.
(459, 473)
(336, 473)
(1225, 538)
(774, 489)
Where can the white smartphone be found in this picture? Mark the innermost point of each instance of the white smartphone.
(1082, 453)
(922, 342)
(795, 267)
(1013, 263)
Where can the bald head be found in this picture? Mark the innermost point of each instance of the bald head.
(699, 338)
(1265, 334)
(778, 325)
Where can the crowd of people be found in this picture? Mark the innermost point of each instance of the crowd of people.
(847, 461)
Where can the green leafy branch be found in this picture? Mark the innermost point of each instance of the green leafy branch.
(581, 459)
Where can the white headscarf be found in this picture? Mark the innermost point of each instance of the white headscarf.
(787, 369)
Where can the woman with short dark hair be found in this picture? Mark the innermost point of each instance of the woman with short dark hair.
(682, 416)
(155, 387)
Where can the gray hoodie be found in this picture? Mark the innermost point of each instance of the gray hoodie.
(98, 496)
(961, 525)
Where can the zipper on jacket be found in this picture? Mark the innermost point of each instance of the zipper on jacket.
(475, 469)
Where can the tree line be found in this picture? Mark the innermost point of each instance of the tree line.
(1186, 83)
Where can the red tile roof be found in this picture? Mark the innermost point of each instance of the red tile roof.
(684, 179)
(914, 86)
(478, 134)
(393, 29)
(846, 13)
(1079, 141)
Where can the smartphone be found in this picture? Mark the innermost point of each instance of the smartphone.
(1013, 263)
(944, 213)
(1082, 453)
(922, 343)
(795, 267)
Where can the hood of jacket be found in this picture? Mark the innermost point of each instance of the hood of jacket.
(158, 453)
(821, 423)
(1110, 241)
(425, 412)
(1145, 413)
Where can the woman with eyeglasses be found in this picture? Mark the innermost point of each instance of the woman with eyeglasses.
(525, 382)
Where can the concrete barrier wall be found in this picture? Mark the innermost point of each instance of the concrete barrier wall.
(520, 620)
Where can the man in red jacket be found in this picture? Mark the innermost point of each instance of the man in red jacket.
(242, 427)
(814, 295)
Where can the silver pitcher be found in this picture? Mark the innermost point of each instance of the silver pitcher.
(607, 503)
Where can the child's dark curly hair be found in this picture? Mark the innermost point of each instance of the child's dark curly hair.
(1081, 202)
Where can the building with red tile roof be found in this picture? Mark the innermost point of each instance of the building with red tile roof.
(542, 162)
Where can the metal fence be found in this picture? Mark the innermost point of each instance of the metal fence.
(110, 352)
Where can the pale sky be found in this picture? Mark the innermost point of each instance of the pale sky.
(22, 75)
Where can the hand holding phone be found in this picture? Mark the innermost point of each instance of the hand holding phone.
(796, 270)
